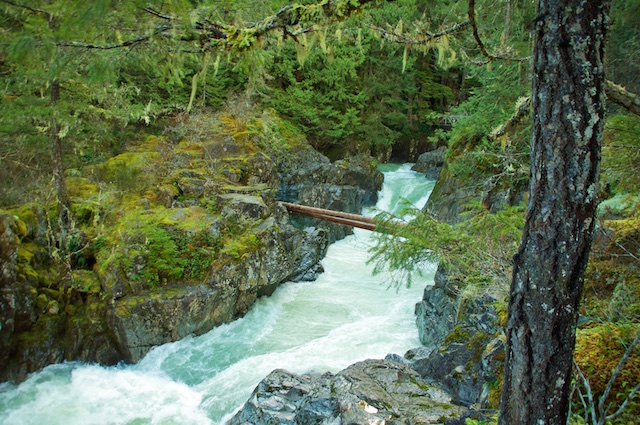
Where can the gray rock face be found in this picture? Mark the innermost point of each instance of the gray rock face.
(463, 350)
(436, 313)
(451, 195)
(430, 163)
(369, 392)
(347, 185)
(112, 313)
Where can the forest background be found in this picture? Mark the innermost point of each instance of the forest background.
(94, 78)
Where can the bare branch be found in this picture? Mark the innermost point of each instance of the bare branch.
(623, 405)
(615, 374)
(29, 8)
(523, 108)
(420, 39)
(621, 96)
(585, 382)
(157, 14)
(476, 36)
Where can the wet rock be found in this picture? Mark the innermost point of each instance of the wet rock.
(430, 163)
(452, 195)
(347, 185)
(368, 392)
(462, 342)
(240, 206)
(436, 313)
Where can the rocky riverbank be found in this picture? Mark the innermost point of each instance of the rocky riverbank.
(454, 375)
(169, 239)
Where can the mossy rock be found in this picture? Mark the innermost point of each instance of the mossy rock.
(81, 187)
(190, 148)
(41, 302)
(27, 216)
(26, 267)
(598, 351)
(53, 307)
(86, 281)
(627, 232)
(238, 248)
(128, 171)
(53, 294)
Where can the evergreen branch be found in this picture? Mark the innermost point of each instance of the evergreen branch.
(289, 16)
(481, 46)
(615, 93)
(241, 38)
(29, 8)
(473, 61)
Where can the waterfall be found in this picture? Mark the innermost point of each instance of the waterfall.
(345, 316)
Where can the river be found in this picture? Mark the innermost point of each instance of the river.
(345, 316)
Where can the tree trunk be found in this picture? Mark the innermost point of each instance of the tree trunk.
(568, 116)
(64, 203)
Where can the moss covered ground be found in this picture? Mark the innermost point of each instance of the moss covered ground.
(153, 216)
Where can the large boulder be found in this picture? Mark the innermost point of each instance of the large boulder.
(430, 163)
(436, 313)
(368, 392)
(463, 349)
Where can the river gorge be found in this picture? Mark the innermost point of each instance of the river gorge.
(346, 315)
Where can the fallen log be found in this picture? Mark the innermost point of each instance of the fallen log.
(339, 217)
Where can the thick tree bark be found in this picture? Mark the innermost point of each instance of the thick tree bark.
(568, 113)
(64, 203)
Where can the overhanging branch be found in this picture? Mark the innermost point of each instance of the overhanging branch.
(476, 36)
(419, 39)
(614, 92)
(618, 94)
(29, 8)
(239, 38)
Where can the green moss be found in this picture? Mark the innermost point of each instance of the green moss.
(25, 265)
(85, 281)
(598, 351)
(144, 248)
(238, 248)
(26, 215)
(627, 231)
(458, 334)
(502, 310)
(128, 171)
(42, 301)
(42, 334)
(80, 187)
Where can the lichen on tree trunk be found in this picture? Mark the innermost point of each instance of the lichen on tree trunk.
(568, 113)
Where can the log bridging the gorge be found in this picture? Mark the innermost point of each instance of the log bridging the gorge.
(339, 217)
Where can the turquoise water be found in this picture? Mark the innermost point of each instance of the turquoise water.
(346, 315)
